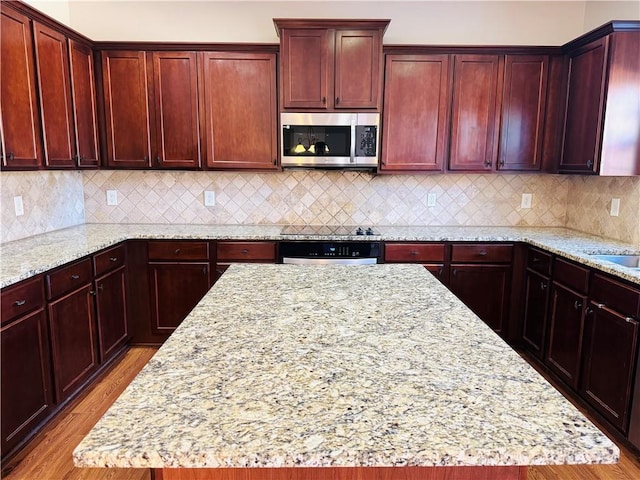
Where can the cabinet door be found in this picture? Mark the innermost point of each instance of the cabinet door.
(175, 92)
(175, 289)
(240, 110)
(474, 121)
(523, 112)
(20, 125)
(610, 345)
(111, 308)
(307, 68)
(416, 99)
(84, 105)
(565, 333)
(582, 129)
(73, 340)
(485, 290)
(54, 84)
(126, 101)
(358, 67)
(26, 377)
(535, 312)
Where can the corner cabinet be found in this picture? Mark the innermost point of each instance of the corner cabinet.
(240, 110)
(603, 94)
(331, 64)
(416, 101)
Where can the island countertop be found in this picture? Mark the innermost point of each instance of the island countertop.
(291, 366)
(21, 259)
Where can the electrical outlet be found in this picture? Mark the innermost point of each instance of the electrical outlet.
(112, 197)
(615, 207)
(431, 200)
(19, 206)
(209, 198)
(526, 200)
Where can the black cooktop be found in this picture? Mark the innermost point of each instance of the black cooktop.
(342, 230)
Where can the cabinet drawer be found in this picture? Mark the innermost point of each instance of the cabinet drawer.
(414, 252)
(178, 250)
(481, 253)
(109, 260)
(21, 298)
(539, 261)
(571, 275)
(616, 296)
(68, 278)
(246, 251)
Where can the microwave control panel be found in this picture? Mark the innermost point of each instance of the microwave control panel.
(366, 140)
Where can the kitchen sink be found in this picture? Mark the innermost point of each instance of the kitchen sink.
(630, 261)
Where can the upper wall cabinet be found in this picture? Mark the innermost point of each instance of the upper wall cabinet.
(239, 95)
(601, 132)
(330, 65)
(475, 112)
(21, 135)
(416, 101)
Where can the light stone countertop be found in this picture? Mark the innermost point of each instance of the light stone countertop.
(25, 258)
(284, 365)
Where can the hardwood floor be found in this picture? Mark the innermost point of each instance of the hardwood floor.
(50, 456)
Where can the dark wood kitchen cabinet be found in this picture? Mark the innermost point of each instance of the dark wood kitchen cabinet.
(126, 105)
(523, 112)
(537, 290)
(477, 81)
(72, 326)
(85, 114)
(54, 85)
(27, 397)
(331, 64)
(415, 113)
(228, 252)
(431, 255)
(602, 95)
(480, 276)
(20, 127)
(240, 110)
(610, 348)
(568, 303)
(179, 276)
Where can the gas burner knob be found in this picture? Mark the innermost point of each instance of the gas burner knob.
(369, 231)
(359, 231)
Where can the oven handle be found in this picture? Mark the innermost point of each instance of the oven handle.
(330, 261)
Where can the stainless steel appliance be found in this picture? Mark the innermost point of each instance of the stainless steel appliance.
(329, 253)
(329, 140)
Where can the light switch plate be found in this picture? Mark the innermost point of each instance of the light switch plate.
(431, 200)
(615, 207)
(19, 206)
(112, 197)
(526, 200)
(209, 198)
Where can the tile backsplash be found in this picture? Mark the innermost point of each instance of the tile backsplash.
(58, 199)
(324, 197)
(52, 200)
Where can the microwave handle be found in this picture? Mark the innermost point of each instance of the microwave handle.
(352, 152)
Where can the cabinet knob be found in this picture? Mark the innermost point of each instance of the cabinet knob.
(502, 162)
(337, 100)
(440, 271)
(113, 259)
(487, 163)
(75, 277)
(543, 286)
(577, 305)
(244, 251)
(590, 163)
(93, 292)
(535, 259)
(629, 320)
(177, 251)
(413, 253)
(600, 305)
(454, 272)
(482, 253)
(101, 287)
(324, 100)
(10, 156)
(19, 303)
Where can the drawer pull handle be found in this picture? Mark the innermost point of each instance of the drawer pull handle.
(244, 251)
(454, 272)
(413, 253)
(101, 287)
(75, 277)
(629, 319)
(577, 305)
(482, 253)
(177, 252)
(535, 259)
(93, 292)
(113, 259)
(19, 303)
(600, 305)
(543, 286)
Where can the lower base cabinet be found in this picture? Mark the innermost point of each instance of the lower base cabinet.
(111, 310)
(536, 304)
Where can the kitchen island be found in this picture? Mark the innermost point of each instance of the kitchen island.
(366, 372)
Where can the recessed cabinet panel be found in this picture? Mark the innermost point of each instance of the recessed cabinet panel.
(20, 126)
(126, 108)
(55, 96)
(357, 69)
(416, 97)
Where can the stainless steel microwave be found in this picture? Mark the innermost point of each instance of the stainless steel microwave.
(329, 140)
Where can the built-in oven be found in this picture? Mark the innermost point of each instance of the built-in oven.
(329, 140)
(329, 253)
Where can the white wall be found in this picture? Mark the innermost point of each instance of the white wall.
(421, 22)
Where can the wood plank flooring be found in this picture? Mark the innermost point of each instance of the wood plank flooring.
(50, 456)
